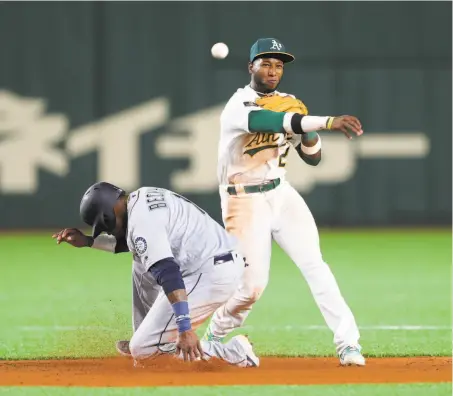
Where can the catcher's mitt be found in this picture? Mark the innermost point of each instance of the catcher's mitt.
(287, 104)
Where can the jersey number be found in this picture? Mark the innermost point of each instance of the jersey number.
(189, 201)
(282, 158)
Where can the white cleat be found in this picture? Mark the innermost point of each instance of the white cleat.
(351, 356)
(252, 359)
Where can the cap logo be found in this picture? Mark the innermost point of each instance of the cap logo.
(276, 45)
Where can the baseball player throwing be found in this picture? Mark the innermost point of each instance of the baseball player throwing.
(258, 125)
(184, 267)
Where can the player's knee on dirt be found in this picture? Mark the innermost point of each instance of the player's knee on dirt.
(136, 349)
(139, 351)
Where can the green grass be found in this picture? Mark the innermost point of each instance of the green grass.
(58, 301)
(443, 389)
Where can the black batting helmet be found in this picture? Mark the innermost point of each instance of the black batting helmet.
(96, 207)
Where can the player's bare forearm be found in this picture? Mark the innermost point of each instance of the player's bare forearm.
(74, 237)
(310, 148)
(177, 296)
(78, 239)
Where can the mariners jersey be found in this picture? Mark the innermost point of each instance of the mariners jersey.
(246, 157)
(163, 224)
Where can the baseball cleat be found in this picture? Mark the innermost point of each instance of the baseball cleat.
(208, 336)
(123, 348)
(351, 356)
(252, 359)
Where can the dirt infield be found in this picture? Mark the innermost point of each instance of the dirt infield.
(169, 372)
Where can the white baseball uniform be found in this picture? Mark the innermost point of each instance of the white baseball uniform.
(163, 224)
(281, 214)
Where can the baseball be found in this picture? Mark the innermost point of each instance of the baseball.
(219, 51)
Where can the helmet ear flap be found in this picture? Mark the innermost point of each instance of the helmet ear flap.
(104, 223)
(97, 207)
(109, 222)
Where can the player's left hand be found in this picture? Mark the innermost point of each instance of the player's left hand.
(189, 344)
(74, 237)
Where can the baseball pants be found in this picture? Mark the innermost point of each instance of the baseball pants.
(155, 329)
(280, 214)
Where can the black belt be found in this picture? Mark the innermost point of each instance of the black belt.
(263, 187)
(223, 258)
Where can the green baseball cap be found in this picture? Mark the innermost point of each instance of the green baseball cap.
(270, 48)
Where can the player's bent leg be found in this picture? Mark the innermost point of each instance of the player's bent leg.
(158, 332)
(147, 338)
(206, 292)
(248, 218)
(297, 234)
(235, 311)
(144, 293)
(238, 350)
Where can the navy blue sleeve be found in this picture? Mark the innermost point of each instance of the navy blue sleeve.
(167, 274)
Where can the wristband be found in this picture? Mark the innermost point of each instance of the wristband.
(301, 124)
(329, 122)
(313, 123)
(182, 316)
(105, 242)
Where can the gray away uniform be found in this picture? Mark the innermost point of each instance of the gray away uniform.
(163, 224)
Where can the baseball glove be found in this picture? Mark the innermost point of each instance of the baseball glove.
(287, 104)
